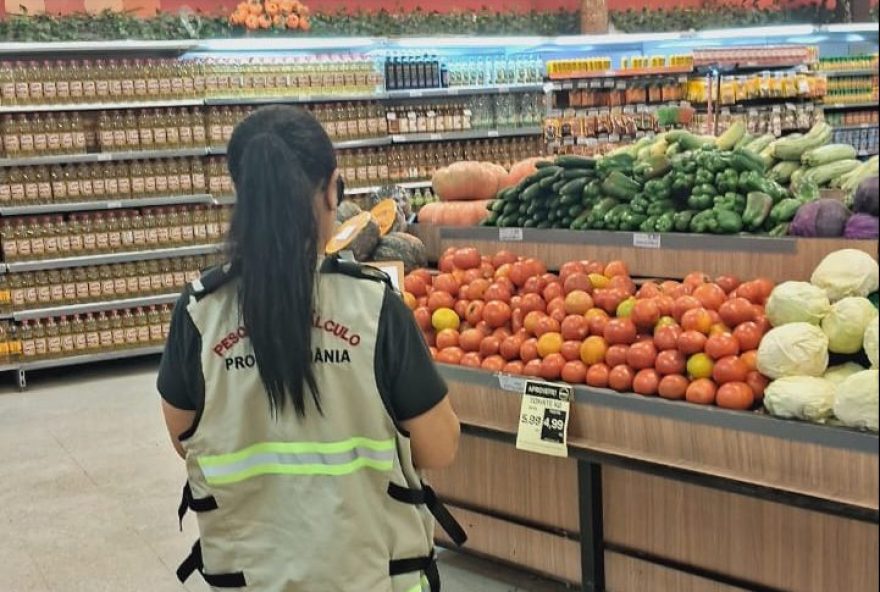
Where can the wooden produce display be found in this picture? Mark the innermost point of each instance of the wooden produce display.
(664, 496)
(668, 255)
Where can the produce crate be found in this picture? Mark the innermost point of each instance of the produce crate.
(669, 255)
(664, 495)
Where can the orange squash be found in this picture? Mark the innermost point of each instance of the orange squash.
(469, 213)
(465, 180)
(520, 171)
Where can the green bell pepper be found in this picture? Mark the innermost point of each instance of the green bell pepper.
(631, 220)
(700, 201)
(729, 222)
(660, 207)
(758, 206)
(780, 229)
(704, 222)
(730, 201)
(612, 218)
(785, 210)
(666, 222)
(727, 180)
(682, 220)
(649, 224)
(704, 177)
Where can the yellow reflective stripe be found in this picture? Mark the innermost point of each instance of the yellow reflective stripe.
(309, 469)
(422, 586)
(296, 448)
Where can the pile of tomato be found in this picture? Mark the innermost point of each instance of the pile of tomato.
(693, 340)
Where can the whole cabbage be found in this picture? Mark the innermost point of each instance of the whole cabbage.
(823, 217)
(857, 402)
(796, 349)
(871, 342)
(797, 302)
(846, 323)
(847, 272)
(800, 397)
(841, 372)
(862, 226)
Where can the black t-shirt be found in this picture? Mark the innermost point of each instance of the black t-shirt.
(405, 374)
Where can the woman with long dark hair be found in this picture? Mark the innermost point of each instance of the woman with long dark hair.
(300, 394)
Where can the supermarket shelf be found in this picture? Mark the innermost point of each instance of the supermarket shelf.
(223, 200)
(167, 200)
(762, 103)
(840, 73)
(855, 126)
(838, 106)
(415, 184)
(375, 188)
(464, 90)
(630, 73)
(467, 135)
(150, 350)
(109, 258)
(100, 47)
(341, 145)
(756, 423)
(292, 99)
(102, 106)
(101, 157)
(57, 311)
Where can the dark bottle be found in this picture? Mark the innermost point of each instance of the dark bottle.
(422, 72)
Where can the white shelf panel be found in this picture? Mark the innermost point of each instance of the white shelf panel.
(467, 135)
(167, 200)
(149, 350)
(101, 157)
(110, 258)
(70, 309)
(102, 106)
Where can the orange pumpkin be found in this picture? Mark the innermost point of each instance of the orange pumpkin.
(304, 23)
(292, 21)
(465, 213)
(465, 180)
(519, 171)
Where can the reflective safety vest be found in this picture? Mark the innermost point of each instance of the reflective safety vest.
(323, 503)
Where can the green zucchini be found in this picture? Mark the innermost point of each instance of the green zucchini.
(531, 192)
(575, 162)
(577, 173)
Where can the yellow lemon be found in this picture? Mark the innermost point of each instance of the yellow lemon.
(700, 366)
(445, 318)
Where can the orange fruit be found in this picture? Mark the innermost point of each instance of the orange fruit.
(599, 281)
(549, 343)
(593, 350)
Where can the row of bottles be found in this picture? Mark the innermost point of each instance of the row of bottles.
(351, 121)
(478, 112)
(31, 238)
(84, 334)
(35, 82)
(85, 182)
(412, 72)
(151, 129)
(291, 75)
(44, 133)
(97, 283)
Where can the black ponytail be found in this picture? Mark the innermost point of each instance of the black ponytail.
(280, 158)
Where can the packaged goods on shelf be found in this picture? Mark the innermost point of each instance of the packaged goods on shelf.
(43, 133)
(91, 333)
(466, 71)
(31, 238)
(150, 129)
(844, 65)
(753, 87)
(856, 117)
(31, 291)
(337, 74)
(777, 120)
(852, 89)
(864, 140)
(602, 66)
(759, 56)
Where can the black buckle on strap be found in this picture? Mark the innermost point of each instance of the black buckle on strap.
(188, 502)
(194, 563)
(426, 564)
(427, 497)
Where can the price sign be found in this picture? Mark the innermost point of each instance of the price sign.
(510, 234)
(493, 134)
(646, 240)
(415, 93)
(543, 418)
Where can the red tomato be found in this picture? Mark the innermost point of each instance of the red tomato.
(667, 337)
(471, 360)
(735, 395)
(470, 339)
(551, 366)
(730, 369)
(736, 311)
(750, 359)
(666, 304)
(536, 266)
(445, 263)
(597, 375)
(552, 291)
(450, 355)
(615, 268)
(670, 362)
(695, 279)
(682, 305)
(710, 296)
(466, 258)
(624, 284)
(577, 281)
(616, 355)
(532, 302)
(620, 378)
(415, 285)
(571, 350)
(641, 355)
(575, 327)
(749, 335)
(476, 289)
(532, 368)
(570, 268)
(493, 363)
(691, 342)
(751, 291)
(673, 386)
(510, 347)
(502, 257)
(439, 299)
(528, 351)
(519, 273)
(765, 287)
(620, 331)
(598, 320)
(489, 346)
(645, 314)
(534, 285)
(497, 291)
(447, 338)
(721, 345)
(423, 317)
(646, 382)
(701, 391)
(728, 283)
(757, 382)
(546, 325)
(496, 313)
(574, 372)
(461, 307)
(513, 367)
(648, 290)
(672, 289)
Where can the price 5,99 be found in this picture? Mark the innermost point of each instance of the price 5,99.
(528, 419)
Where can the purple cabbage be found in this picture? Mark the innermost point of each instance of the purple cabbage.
(823, 217)
(867, 197)
(862, 226)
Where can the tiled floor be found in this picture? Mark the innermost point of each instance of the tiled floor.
(89, 489)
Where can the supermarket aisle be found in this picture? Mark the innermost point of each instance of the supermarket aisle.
(90, 489)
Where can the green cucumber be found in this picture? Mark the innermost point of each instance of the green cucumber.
(575, 162)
